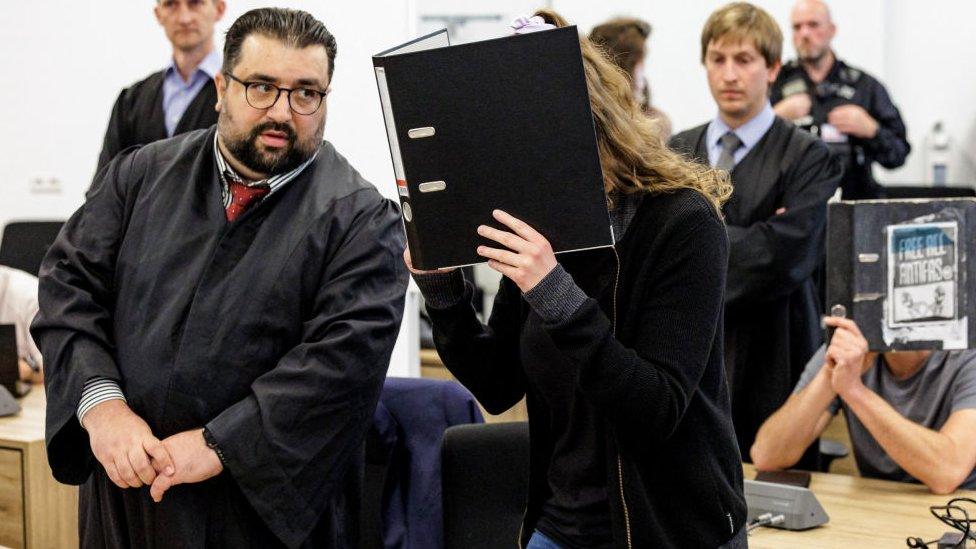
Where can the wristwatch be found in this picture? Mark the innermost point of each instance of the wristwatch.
(211, 442)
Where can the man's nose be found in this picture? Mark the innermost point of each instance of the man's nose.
(729, 73)
(184, 14)
(280, 111)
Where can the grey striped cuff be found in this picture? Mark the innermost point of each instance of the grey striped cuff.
(556, 297)
(96, 391)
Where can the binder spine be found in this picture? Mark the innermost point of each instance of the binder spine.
(403, 192)
(841, 263)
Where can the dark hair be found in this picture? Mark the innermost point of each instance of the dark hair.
(623, 41)
(296, 28)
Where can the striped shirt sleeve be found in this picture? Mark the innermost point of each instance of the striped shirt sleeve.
(96, 391)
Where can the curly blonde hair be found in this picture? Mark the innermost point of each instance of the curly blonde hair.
(633, 156)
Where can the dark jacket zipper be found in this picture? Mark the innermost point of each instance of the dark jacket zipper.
(620, 466)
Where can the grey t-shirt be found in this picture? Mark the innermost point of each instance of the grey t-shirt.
(946, 384)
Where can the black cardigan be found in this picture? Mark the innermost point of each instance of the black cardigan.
(658, 380)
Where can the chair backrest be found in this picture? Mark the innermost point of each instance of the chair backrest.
(485, 479)
(9, 371)
(24, 243)
(402, 490)
(927, 191)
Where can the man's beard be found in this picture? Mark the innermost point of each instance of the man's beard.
(245, 148)
(812, 56)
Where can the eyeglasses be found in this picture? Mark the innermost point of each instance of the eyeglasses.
(262, 95)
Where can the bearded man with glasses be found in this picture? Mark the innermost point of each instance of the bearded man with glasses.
(217, 319)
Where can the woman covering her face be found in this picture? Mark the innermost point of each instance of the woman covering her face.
(616, 350)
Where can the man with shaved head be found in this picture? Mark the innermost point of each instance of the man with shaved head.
(846, 107)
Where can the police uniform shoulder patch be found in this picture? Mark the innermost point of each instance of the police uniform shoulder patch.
(850, 74)
(795, 86)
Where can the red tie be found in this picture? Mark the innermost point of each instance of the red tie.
(242, 196)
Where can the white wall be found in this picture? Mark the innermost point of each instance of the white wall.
(931, 72)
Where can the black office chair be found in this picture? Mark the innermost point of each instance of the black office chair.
(920, 191)
(24, 243)
(485, 479)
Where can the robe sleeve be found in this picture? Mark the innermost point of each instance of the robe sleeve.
(484, 358)
(73, 327)
(114, 133)
(770, 259)
(290, 442)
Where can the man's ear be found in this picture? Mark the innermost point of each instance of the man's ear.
(221, 84)
(156, 13)
(221, 8)
(774, 71)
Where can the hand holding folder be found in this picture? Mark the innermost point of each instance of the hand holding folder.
(903, 270)
(527, 256)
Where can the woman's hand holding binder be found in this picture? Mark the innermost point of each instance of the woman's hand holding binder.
(529, 257)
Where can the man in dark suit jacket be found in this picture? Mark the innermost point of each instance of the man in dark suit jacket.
(179, 98)
(776, 218)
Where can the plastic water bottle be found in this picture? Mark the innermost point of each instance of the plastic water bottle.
(937, 156)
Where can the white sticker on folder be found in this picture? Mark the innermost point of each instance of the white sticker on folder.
(432, 186)
(420, 133)
(391, 136)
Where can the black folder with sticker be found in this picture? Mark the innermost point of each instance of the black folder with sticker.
(497, 124)
(904, 271)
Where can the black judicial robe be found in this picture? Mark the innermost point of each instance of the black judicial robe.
(137, 116)
(772, 312)
(274, 331)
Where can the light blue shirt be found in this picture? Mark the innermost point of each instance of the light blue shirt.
(178, 94)
(749, 133)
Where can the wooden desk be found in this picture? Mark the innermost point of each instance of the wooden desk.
(431, 365)
(35, 510)
(863, 513)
